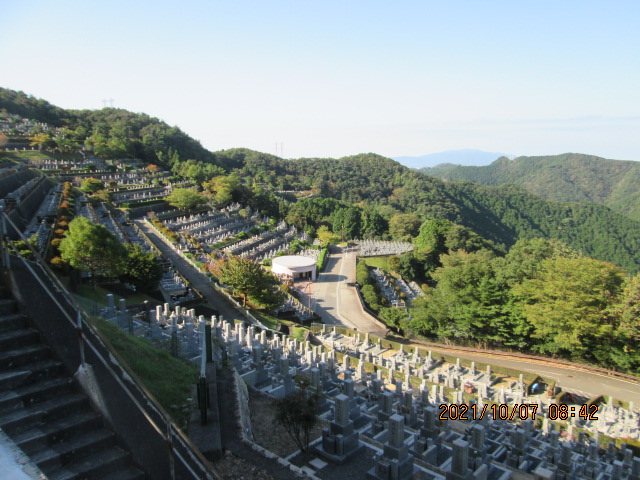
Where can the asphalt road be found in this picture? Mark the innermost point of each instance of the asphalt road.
(338, 304)
(336, 301)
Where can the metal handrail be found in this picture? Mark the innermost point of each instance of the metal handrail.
(80, 322)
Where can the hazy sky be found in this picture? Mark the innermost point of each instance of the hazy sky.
(334, 78)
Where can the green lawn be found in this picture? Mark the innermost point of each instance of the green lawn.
(268, 321)
(37, 155)
(380, 262)
(99, 295)
(170, 380)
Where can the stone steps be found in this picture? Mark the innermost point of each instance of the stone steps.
(11, 321)
(46, 414)
(22, 355)
(30, 394)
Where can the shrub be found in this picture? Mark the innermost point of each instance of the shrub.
(59, 264)
(370, 297)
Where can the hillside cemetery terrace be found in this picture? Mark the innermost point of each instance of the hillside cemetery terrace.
(31, 200)
(224, 229)
(376, 248)
(384, 405)
(388, 284)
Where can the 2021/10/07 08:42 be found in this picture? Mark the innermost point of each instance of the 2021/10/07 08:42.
(514, 412)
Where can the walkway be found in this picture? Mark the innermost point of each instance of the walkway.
(201, 282)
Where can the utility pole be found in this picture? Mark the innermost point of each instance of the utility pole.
(279, 148)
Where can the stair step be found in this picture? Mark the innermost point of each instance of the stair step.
(58, 430)
(18, 338)
(97, 465)
(23, 355)
(125, 473)
(7, 305)
(4, 292)
(12, 321)
(81, 445)
(41, 413)
(29, 373)
(34, 393)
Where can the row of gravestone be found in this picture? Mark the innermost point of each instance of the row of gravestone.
(364, 411)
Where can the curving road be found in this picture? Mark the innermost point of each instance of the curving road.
(338, 304)
(336, 301)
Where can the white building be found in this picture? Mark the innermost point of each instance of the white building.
(294, 266)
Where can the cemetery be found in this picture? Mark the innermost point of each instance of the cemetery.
(250, 235)
(388, 409)
(30, 199)
(376, 248)
(392, 287)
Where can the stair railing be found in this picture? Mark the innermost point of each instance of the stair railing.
(180, 447)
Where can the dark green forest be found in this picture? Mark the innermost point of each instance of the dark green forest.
(500, 214)
(108, 133)
(569, 177)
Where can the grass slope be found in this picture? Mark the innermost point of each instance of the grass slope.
(169, 379)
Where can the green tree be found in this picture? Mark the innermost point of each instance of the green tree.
(373, 224)
(404, 226)
(326, 236)
(347, 223)
(526, 256)
(186, 199)
(224, 188)
(91, 185)
(141, 268)
(362, 274)
(91, 247)
(298, 414)
(566, 303)
(625, 353)
(468, 303)
(370, 296)
(395, 318)
(42, 141)
(409, 266)
(247, 278)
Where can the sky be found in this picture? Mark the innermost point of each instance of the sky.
(328, 78)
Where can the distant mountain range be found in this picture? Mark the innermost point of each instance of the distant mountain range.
(570, 177)
(459, 157)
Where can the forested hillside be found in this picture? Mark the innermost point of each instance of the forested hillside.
(502, 214)
(109, 132)
(570, 177)
(382, 189)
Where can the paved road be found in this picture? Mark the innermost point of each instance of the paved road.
(338, 304)
(215, 300)
(571, 379)
(336, 301)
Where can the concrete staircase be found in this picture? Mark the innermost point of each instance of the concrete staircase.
(46, 414)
